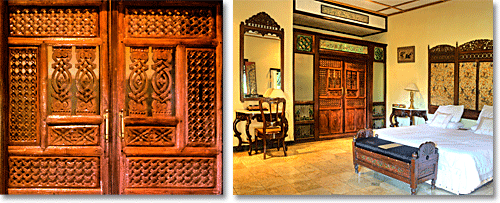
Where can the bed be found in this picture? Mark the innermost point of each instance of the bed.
(465, 158)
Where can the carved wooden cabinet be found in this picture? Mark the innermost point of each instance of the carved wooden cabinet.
(102, 97)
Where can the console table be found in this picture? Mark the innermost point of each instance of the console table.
(403, 112)
(248, 116)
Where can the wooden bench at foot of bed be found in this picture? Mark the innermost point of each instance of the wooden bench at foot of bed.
(408, 164)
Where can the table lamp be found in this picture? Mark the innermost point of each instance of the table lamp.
(274, 93)
(412, 88)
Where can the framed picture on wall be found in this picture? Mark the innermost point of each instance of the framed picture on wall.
(406, 54)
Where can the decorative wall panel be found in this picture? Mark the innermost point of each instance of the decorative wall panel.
(56, 22)
(467, 85)
(150, 136)
(23, 94)
(73, 135)
(485, 84)
(170, 22)
(171, 172)
(442, 84)
(201, 97)
(61, 80)
(304, 43)
(57, 172)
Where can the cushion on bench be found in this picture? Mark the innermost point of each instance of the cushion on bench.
(402, 153)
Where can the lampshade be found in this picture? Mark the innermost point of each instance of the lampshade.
(411, 87)
(274, 93)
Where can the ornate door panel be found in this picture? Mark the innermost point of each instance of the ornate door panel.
(169, 87)
(342, 96)
(57, 79)
(355, 96)
(330, 97)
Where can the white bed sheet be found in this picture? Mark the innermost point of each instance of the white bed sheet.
(465, 159)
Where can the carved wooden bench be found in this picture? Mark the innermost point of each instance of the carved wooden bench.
(408, 164)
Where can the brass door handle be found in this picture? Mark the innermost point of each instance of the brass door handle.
(122, 124)
(106, 124)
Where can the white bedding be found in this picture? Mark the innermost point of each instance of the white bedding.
(465, 159)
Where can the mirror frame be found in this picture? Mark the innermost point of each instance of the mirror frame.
(262, 24)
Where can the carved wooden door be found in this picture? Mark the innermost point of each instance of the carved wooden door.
(57, 79)
(355, 95)
(169, 61)
(147, 121)
(331, 90)
(342, 96)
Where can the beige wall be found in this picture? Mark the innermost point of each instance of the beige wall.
(445, 23)
(282, 12)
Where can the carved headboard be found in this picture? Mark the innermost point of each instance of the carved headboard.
(461, 75)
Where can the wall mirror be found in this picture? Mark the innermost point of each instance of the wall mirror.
(261, 56)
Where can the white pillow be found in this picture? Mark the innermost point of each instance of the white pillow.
(441, 120)
(455, 111)
(486, 112)
(485, 127)
(455, 126)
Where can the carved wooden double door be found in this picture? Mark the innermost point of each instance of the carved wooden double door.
(342, 96)
(112, 98)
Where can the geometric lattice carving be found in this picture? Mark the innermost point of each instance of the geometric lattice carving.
(171, 172)
(485, 84)
(201, 97)
(61, 22)
(355, 103)
(442, 84)
(323, 74)
(58, 172)
(162, 82)
(23, 91)
(73, 135)
(150, 136)
(330, 63)
(137, 81)
(86, 80)
(170, 22)
(333, 103)
(61, 80)
(304, 43)
(467, 85)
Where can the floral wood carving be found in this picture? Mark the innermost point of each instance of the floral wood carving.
(53, 172)
(86, 80)
(138, 81)
(73, 135)
(442, 52)
(262, 20)
(162, 82)
(477, 45)
(60, 22)
(61, 80)
(23, 94)
(170, 22)
(201, 94)
(171, 172)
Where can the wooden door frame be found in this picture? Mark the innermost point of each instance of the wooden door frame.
(4, 104)
(317, 52)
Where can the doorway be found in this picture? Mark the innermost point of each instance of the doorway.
(110, 97)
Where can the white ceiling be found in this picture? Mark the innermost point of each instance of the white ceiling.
(389, 7)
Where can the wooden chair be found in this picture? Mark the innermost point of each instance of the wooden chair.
(274, 122)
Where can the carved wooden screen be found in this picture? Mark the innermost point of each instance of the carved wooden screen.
(461, 75)
(57, 92)
(169, 87)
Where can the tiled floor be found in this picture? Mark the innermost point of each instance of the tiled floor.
(318, 168)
